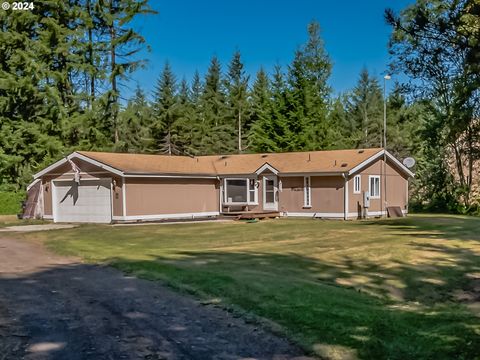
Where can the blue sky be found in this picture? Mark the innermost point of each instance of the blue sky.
(267, 32)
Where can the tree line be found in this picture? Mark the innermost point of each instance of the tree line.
(63, 69)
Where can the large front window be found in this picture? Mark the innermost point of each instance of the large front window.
(243, 191)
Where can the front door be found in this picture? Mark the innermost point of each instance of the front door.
(270, 201)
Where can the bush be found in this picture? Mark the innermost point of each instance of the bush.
(10, 202)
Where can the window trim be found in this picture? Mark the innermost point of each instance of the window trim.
(370, 177)
(307, 192)
(248, 202)
(359, 190)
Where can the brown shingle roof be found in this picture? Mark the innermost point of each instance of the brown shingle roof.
(331, 161)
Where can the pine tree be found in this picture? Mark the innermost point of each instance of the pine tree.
(237, 98)
(262, 132)
(307, 96)
(217, 133)
(123, 43)
(165, 131)
(365, 111)
(135, 125)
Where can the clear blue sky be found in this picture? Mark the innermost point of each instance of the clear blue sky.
(267, 32)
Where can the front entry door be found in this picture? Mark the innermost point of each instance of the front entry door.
(270, 200)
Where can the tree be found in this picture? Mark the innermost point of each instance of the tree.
(436, 42)
(122, 45)
(216, 132)
(135, 125)
(237, 101)
(166, 113)
(307, 95)
(365, 112)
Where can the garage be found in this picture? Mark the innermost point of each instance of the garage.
(89, 201)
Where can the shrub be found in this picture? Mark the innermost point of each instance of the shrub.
(10, 202)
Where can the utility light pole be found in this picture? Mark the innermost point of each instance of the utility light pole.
(384, 143)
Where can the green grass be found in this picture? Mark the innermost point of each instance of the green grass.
(12, 220)
(387, 289)
(10, 202)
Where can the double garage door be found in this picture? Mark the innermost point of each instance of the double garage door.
(89, 201)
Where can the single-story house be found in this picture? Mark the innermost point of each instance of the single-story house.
(121, 187)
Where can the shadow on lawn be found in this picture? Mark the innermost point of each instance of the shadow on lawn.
(343, 309)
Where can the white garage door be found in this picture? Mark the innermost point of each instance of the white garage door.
(88, 202)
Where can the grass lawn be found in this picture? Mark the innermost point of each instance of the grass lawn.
(386, 289)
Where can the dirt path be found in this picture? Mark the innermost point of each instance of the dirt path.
(53, 307)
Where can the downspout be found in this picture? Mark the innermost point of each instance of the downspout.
(345, 197)
(220, 192)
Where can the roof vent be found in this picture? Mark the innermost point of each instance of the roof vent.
(361, 151)
(344, 164)
(309, 157)
(264, 155)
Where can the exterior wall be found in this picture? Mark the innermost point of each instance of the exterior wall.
(88, 171)
(157, 196)
(396, 194)
(327, 196)
(47, 197)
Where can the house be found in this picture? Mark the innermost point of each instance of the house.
(104, 187)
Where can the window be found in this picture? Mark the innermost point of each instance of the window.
(307, 192)
(252, 191)
(374, 186)
(357, 184)
(243, 191)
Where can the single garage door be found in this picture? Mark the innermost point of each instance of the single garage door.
(90, 201)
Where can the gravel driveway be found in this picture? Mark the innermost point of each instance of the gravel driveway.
(54, 307)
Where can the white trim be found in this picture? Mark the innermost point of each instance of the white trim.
(248, 202)
(314, 214)
(379, 186)
(166, 216)
(48, 217)
(307, 191)
(81, 179)
(359, 177)
(124, 197)
(273, 206)
(96, 163)
(32, 184)
(266, 166)
(51, 167)
(377, 156)
(81, 173)
(345, 199)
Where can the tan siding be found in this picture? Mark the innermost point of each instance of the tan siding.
(396, 194)
(327, 194)
(117, 197)
(47, 196)
(171, 196)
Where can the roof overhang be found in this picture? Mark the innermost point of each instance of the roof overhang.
(265, 167)
(377, 156)
(76, 155)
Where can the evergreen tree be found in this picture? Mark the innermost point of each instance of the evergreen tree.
(123, 43)
(365, 112)
(217, 134)
(165, 130)
(135, 125)
(237, 97)
(307, 96)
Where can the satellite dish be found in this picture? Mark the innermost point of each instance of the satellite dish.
(409, 162)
